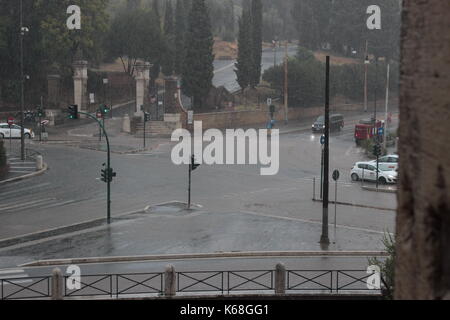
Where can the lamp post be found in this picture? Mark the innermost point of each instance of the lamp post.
(23, 30)
(366, 65)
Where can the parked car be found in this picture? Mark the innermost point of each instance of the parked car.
(391, 160)
(336, 123)
(14, 131)
(368, 171)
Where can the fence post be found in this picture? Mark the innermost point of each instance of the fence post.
(280, 279)
(57, 284)
(169, 281)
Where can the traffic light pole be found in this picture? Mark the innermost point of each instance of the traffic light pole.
(189, 187)
(324, 239)
(108, 166)
(145, 121)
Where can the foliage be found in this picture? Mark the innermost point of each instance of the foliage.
(135, 35)
(197, 70)
(244, 61)
(256, 42)
(3, 161)
(306, 80)
(387, 267)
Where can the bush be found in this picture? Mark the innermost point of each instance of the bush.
(3, 161)
(387, 267)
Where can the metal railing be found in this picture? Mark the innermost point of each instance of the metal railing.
(116, 286)
(25, 288)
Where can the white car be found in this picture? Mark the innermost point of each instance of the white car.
(368, 171)
(391, 160)
(14, 132)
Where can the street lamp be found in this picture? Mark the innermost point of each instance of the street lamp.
(23, 31)
(366, 65)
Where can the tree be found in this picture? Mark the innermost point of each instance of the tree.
(244, 62)
(256, 42)
(198, 69)
(180, 30)
(135, 35)
(168, 58)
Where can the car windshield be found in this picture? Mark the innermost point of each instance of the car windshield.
(320, 119)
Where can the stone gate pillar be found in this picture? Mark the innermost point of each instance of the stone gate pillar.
(80, 78)
(142, 83)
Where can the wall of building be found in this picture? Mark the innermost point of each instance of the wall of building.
(423, 217)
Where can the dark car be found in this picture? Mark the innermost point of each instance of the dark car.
(336, 123)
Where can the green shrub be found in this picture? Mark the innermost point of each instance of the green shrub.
(387, 267)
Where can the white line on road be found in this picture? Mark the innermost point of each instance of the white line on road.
(8, 271)
(224, 68)
(58, 204)
(30, 204)
(26, 188)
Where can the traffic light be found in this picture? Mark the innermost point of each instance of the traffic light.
(111, 174)
(377, 150)
(105, 174)
(104, 109)
(193, 164)
(73, 111)
(146, 116)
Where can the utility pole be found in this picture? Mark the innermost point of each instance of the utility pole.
(22, 102)
(366, 63)
(386, 108)
(324, 239)
(286, 110)
(376, 89)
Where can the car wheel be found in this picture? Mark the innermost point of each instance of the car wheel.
(354, 177)
(2, 136)
(382, 180)
(27, 136)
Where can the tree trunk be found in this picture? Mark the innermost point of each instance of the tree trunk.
(423, 218)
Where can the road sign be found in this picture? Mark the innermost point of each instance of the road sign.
(99, 114)
(45, 122)
(322, 140)
(10, 121)
(380, 131)
(269, 101)
(190, 117)
(91, 98)
(336, 175)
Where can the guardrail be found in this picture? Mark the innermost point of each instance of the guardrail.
(171, 283)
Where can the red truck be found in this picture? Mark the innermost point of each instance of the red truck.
(365, 130)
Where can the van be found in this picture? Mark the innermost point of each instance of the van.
(336, 123)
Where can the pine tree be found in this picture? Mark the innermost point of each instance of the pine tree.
(198, 69)
(244, 60)
(180, 30)
(257, 17)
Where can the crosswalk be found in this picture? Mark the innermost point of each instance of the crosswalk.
(18, 166)
(21, 196)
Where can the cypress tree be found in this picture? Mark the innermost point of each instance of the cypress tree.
(168, 59)
(180, 30)
(198, 69)
(244, 60)
(256, 42)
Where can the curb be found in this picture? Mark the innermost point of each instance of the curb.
(356, 205)
(53, 232)
(249, 254)
(25, 176)
(379, 190)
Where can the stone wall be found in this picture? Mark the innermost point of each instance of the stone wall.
(233, 119)
(423, 217)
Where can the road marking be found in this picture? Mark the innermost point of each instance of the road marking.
(26, 204)
(11, 271)
(26, 188)
(23, 167)
(58, 204)
(224, 68)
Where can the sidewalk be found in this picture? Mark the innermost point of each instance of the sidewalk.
(171, 229)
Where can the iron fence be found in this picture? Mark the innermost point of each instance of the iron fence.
(25, 288)
(116, 286)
